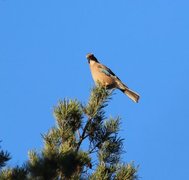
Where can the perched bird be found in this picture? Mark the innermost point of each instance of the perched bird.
(103, 75)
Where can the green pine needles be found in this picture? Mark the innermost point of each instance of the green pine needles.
(4, 157)
(84, 144)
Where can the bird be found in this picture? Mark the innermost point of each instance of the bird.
(104, 76)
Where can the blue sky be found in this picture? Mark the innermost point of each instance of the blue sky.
(43, 45)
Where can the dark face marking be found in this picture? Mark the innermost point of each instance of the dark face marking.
(91, 57)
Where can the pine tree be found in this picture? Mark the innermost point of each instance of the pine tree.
(83, 144)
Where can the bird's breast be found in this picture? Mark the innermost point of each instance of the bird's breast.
(100, 77)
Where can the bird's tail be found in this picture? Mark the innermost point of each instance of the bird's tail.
(131, 94)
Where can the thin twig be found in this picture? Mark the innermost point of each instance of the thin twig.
(83, 136)
(92, 150)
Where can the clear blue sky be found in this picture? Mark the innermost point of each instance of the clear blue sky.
(43, 45)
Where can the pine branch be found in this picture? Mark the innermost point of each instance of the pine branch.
(4, 157)
(93, 110)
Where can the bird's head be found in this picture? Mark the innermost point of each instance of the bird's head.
(91, 57)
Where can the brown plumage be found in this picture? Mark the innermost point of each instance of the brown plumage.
(103, 75)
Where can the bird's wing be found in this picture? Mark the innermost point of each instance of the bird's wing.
(107, 71)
